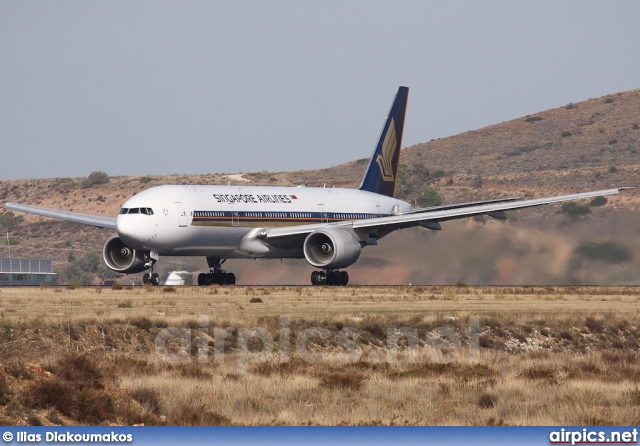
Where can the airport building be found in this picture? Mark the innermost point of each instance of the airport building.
(26, 272)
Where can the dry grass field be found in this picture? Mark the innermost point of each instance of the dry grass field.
(418, 355)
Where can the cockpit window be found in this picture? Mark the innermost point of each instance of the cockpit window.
(145, 211)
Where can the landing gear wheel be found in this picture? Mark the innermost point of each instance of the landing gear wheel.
(229, 279)
(216, 276)
(331, 278)
(154, 279)
(145, 278)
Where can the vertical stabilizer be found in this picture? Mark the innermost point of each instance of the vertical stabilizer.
(382, 171)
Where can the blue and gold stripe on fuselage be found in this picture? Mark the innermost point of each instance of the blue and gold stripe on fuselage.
(271, 219)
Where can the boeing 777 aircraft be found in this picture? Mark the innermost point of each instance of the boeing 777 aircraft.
(326, 226)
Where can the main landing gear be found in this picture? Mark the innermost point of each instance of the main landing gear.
(329, 277)
(217, 276)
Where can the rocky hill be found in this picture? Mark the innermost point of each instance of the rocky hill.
(577, 147)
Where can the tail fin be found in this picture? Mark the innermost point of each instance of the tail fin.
(380, 176)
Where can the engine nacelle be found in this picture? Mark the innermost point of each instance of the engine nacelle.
(120, 258)
(331, 248)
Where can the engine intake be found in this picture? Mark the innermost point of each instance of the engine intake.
(120, 258)
(331, 248)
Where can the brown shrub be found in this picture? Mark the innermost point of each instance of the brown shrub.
(594, 324)
(192, 370)
(127, 365)
(538, 373)
(80, 369)
(340, 380)
(477, 371)
(233, 377)
(487, 400)
(73, 399)
(54, 418)
(5, 392)
(142, 322)
(588, 368)
(377, 329)
(33, 420)
(148, 398)
(192, 416)
(268, 368)
(75, 390)
(18, 370)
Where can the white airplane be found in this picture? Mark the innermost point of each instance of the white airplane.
(326, 226)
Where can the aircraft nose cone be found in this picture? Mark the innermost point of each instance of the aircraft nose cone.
(127, 229)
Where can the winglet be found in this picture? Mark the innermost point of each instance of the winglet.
(382, 171)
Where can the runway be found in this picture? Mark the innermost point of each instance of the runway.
(24, 303)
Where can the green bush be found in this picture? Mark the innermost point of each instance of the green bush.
(607, 252)
(566, 134)
(608, 101)
(439, 174)
(145, 180)
(613, 168)
(613, 141)
(85, 269)
(429, 197)
(533, 119)
(411, 179)
(95, 177)
(8, 220)
(635, 126)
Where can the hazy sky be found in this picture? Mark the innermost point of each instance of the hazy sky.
(161, 87)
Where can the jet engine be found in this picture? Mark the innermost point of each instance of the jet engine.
(331, 248)
(119, 257)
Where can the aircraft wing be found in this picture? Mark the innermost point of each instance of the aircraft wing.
(388, 224)
(87, 219)
(459, 205)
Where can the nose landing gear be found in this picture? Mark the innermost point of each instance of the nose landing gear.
(153, 278)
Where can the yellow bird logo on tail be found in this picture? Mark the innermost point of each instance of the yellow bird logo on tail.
(388, 149)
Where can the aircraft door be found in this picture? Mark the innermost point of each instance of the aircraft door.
(182, 214)
(324, 216)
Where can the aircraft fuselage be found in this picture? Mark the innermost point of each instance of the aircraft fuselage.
(212, 221)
